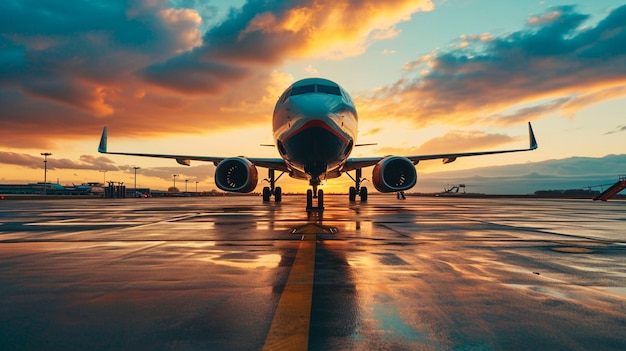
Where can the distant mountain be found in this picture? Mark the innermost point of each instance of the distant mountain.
(568, 173)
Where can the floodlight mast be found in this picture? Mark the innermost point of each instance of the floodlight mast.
(45, 170)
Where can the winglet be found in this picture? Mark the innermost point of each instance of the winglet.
(102, 148)
(533, 141)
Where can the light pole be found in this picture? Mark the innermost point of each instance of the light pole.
(186, 180)
(174, 175)
(197, 186)
(104, 179)
(135, 168)
(45, 170)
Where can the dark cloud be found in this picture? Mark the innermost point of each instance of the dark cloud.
(188, 73)
(70, 52)
(529, 113)
(69, 67)
(66, 65)
(98, 162)
(556, 62)
(266, 33)
(35, 162)
(620, 128)
(25, 160)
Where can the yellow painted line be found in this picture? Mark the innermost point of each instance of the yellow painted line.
(290, 326)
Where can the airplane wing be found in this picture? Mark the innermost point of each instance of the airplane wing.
(361, 162)
(185, 160)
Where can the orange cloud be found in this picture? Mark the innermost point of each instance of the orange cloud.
(139, 67)
(334, 29)
(555, 65)
(453, 141)
(185, 23)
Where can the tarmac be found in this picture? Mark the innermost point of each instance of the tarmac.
(232, 273)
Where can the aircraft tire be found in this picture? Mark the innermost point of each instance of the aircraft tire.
(320, 198)
(266, 194)
(352, 194)
(363, 194)
(278, 194)
(309, 199)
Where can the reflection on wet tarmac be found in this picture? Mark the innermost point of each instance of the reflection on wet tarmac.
(243, 260)
(235, 274)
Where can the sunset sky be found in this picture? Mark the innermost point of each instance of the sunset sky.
(202, 77)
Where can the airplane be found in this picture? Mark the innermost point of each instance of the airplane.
(315, 130)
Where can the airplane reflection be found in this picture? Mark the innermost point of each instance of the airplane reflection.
(335, 310)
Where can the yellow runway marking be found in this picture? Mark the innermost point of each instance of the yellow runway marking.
(290, 326)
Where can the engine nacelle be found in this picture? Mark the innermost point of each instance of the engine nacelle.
(237, 175)
(394, 173)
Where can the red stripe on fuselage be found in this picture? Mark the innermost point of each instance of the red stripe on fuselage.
(316, 123)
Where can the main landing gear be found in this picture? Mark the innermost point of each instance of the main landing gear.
(268, 191)
(314, 193)
(357, 189)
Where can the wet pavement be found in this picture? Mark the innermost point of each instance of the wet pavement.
(232, 273)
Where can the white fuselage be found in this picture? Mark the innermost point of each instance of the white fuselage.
(315, 128)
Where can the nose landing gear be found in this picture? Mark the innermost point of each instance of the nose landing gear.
(314, 193)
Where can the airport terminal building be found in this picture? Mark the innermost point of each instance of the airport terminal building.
(51, 189)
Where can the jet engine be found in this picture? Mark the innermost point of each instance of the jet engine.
(236, 174)
(394, 173)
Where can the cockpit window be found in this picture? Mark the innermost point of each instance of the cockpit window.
(285, 95)
(328, 89)
(305, 89)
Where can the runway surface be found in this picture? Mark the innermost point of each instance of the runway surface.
(230, 274)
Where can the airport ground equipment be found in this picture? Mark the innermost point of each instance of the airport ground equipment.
(613, 190)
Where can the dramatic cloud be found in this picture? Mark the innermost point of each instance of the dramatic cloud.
(156, 66)
(190, 74)
(268, 33)
(67, 66)
(74, 54)
(556, 63)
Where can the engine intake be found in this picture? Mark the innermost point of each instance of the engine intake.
(237, 175)
(394, 173)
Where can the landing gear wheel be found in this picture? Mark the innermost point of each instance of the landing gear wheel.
(352, 194)
(309, 199)
(320, 199)
(363, 194)
(278, 194)
(266, 194)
